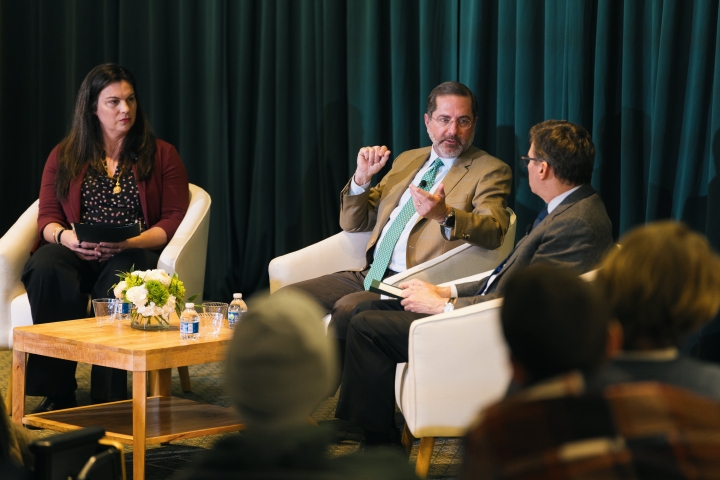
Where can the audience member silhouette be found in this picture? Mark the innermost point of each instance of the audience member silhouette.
(554, 427)
(280, 366)
(662, 284)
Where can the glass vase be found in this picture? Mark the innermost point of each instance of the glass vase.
(150, 323)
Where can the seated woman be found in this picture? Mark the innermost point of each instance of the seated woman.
(109, 170)
(661, 285)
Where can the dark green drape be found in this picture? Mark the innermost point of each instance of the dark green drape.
(268, 101)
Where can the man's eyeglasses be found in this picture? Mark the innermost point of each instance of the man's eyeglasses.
(526, 160)
(462, 122)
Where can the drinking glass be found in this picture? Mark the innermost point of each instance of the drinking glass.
(210, 324)
(215, 307)
(104, 309)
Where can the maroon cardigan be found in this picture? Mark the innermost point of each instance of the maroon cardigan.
(164, 197)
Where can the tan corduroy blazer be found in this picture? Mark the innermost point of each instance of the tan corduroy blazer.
(477, 185)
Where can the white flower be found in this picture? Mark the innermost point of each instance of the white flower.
(147, 311)
(158, 275)
(122, 285)
(151, 310)
(137, 295)
(169, 306)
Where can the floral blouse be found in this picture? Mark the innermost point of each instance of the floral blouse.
(100, 206)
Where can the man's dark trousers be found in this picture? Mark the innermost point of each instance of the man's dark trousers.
(376, 343)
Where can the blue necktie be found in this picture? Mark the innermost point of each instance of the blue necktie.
(543, 213)
(383, 254)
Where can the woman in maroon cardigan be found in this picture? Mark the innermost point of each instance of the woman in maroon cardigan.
(109, 170)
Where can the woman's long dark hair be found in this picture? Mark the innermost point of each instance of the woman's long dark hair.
(84, 143)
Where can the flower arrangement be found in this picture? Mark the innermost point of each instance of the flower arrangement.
(154, 294)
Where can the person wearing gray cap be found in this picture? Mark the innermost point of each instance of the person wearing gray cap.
(280, 367)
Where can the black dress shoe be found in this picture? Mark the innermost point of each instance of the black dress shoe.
(50, 404)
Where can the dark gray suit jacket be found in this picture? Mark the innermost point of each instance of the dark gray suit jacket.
(576, 235)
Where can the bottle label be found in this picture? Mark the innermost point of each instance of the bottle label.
(232, 318)
(189, 327)
(123, 307)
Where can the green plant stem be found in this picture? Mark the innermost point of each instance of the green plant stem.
(158, 318)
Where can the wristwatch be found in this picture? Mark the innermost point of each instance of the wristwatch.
(450, 305)
(449, 221)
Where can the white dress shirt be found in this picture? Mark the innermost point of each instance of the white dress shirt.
(398, 262)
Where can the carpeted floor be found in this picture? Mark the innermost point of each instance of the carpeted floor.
(207, 386)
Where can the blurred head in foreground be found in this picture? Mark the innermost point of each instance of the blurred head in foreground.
(661, 284)
(280, 364)
(553, 322)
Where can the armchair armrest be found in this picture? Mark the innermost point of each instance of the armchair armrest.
(343, 251)
(186, 253)
(15, 248)
(463, 261)
(471, 278)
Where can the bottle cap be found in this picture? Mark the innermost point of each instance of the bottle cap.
(237, 295)
(189, 305)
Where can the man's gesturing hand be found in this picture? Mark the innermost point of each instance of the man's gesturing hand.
(369, 161)
(429, 205)
(423, 297)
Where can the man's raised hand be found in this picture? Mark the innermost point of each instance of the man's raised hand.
(369, 161)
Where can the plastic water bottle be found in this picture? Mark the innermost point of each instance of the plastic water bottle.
(189, 323)
(236, 310)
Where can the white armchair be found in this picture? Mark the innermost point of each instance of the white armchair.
(342, 251)
(185, 254)
(458, 363)
(15, 248)
(346, 251)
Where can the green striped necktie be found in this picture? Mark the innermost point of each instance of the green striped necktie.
(384, 251)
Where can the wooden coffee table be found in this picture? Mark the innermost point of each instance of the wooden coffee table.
(142, 420)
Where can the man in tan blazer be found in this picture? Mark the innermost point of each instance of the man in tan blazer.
(458, 193)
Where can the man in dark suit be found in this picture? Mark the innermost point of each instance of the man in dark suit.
(573, 232)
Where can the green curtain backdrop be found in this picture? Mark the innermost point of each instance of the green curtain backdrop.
(269, 101)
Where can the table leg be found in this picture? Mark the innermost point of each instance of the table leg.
(139, 415)
(18, 390)
(152, 382)
(160, 382)
(163, 386)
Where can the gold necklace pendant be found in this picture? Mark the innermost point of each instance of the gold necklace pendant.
(117, 188)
